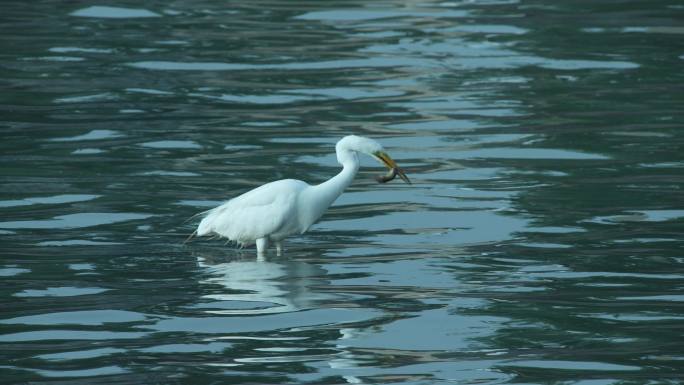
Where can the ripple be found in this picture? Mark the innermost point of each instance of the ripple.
(64, 291)
(86, 317)
(663, 165)
(661, 215)
(79, 49)
(483, 200)
(560, 64)
(198, 203)
(604, 274)
(12, 271)
(50, 200)
(570, 365)
(92, 135)
(107, 12)
(445, 332)
(265, 124)
(148, 91)
(391, 273)
(241, 147)
(87, 98)
(377, 14)
(87, 151)
(279, 321)
(172, 42)
(454, 50)
(645, 240)
(93, 372)
(456, 105)
(179, 144)
(257, 99)
(348, 93)
(639, 216)
(373, 62)
(80, 354)
(432, 227)
(169, 173)
(69, 335)
(489, 29)
(464, 54)
(56, 58)
(671, 297)
(634, 317)
(213, 347)
(557, 64)
(77, 242)
(555, 230)
(528, 153)
(637, 29)
(438, 125)
(544, 245)
(74, 221)
(81, 266)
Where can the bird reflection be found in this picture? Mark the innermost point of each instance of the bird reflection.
(261, 285)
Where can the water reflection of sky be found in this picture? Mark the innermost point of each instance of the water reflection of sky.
(539, 243)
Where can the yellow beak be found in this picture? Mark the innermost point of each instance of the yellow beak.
(390, 163)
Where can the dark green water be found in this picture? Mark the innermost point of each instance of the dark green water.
(541, 242)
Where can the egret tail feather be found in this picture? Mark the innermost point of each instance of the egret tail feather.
(190, 237)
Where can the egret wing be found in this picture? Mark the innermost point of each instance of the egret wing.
(254, 214)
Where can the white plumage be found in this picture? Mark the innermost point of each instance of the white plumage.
(267, 210)
(271, 212)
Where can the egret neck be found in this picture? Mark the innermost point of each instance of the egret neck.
(321, 196)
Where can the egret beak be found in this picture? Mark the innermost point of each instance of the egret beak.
(390, 163)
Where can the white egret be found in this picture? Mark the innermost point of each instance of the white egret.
(276, 210)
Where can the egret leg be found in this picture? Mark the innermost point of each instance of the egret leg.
(279, 248)
(262, 245)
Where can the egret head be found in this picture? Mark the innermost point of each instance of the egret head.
(372, 148)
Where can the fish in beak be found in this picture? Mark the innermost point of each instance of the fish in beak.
(392, 165)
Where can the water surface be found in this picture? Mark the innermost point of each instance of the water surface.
(541, 241)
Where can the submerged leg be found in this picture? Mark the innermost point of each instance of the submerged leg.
(279, 248)
(262, 245)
